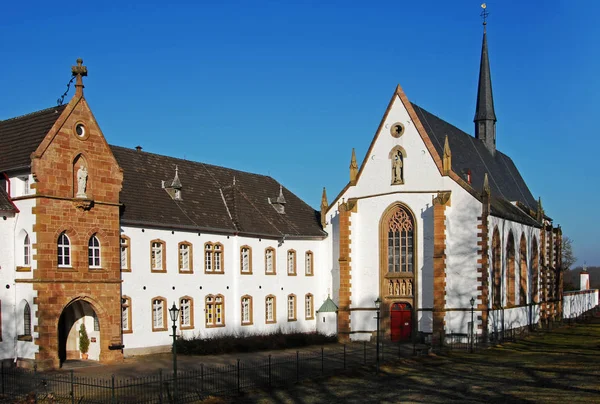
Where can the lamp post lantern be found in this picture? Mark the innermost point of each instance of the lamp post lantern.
(378, 308)
(472, 301)
(174, 313)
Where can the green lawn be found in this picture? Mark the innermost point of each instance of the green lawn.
(561, 366)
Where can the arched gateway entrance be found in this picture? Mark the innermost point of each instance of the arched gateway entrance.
(72, 317)
(400, 322)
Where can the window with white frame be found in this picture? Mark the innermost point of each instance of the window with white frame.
(159, 310)
(309, 307)
(94, 252)
(213, 258)
(157, 256)
(291, 307)
(125, 254)
(270, 313)
(291, 262)
(186, 316)
(26, 251)
(245, 260)
(64, 250)
(270, 261)
(185, 257)
(308, 263)
(126, 314)
(246, 310)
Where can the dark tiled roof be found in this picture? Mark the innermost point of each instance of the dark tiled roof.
(468, 153)
(5, 203)
(210, 200)
(20, 136)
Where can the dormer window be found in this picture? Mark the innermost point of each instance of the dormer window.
(279, 202)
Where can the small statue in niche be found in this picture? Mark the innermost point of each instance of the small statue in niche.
(410, 288)
(397, 168)
(391, 288)
(82, 176)
(396, 288)
(403, 288)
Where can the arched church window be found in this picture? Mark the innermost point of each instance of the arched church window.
(27, 320)
(400, 242)
(534, 270)
(496, 270)
(64, 250)
(523, 271)
(510, 261)
(26, 251)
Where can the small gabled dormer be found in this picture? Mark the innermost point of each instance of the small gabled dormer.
(174, 186)
(279, 202)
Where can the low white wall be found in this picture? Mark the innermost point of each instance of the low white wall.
(577, 303)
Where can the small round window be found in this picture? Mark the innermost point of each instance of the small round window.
(80, 130)
(397, 129)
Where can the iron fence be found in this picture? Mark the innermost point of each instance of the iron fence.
(190, 385)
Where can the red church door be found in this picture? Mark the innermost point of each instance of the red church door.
(401, 322)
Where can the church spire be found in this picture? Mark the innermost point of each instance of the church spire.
(353, 168)
(485, 116)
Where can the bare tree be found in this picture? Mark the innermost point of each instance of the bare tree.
(568, 258)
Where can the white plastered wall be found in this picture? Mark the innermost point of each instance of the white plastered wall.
(141, 285)
(375, 193)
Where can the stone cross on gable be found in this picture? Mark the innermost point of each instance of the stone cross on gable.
(79, 71)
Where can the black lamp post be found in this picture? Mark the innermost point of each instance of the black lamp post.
(378, 308)
(174, 312)
(472, 301)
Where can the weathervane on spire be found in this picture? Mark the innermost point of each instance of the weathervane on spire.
(484, 14)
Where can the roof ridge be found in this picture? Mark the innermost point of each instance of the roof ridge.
(32, 113)
(207, 165)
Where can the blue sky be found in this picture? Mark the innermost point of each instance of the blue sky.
(288, 88)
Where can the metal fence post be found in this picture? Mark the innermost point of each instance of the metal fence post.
(72, 388)
(160, 386)
(344, 356)
(270, 378)
(202, 377)
(297, 366)
(238, 377)
(112, 389)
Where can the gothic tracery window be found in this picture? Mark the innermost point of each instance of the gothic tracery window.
(400, 242)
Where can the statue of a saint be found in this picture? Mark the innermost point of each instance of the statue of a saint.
(410, 288)
(397, 168)
(403, 292)
(391, 288)
(396, 288)
(82, 175)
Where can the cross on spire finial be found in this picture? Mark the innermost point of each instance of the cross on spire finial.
(484, 14)
(79, 71)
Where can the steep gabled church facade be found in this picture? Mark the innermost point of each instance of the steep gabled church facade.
(436, 222)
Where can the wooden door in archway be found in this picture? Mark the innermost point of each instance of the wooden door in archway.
(400, 322)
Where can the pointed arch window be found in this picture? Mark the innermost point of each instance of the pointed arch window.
(534, 270)
(27, 320)
(510, 263)
(157, 256)
(400, 242)
(496, 270)
(186, 257)
(64, 250)
(213, 258)
(214, 311)
(94, 252)
(523, 271)
(26, 251)
(246, 260)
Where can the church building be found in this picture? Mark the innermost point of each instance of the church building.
(433, 222)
